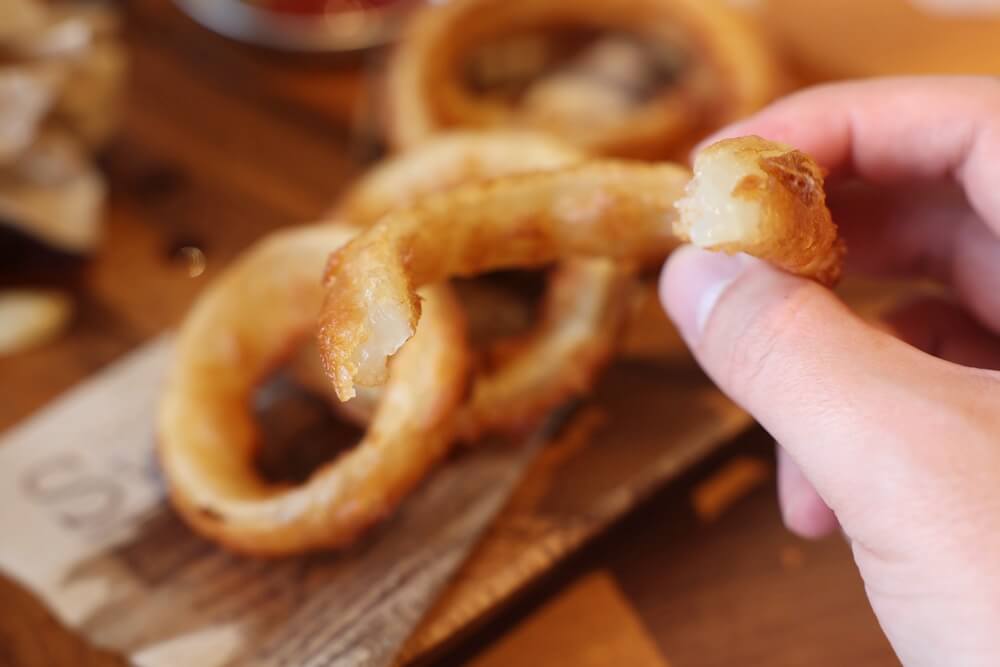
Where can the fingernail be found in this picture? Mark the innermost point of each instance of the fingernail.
(691, 285)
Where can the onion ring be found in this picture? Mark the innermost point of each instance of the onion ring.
(765, 199)
(770, 196)
(727, 72)
(447, 160)
(615, 209)
(243, 326)
(582, 311)
(496, 316)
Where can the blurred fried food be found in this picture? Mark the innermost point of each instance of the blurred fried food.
(61, 74)
(244, 326)
(31, 317)
(54, 193)
(27, 94)
(639, 78)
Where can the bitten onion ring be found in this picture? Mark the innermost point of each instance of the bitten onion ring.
(765, 199)
(727, 71)
(583, 308)
(241, 328)
(750, 196)
(616, 209)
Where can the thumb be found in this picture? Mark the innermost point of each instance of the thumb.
(852, 405)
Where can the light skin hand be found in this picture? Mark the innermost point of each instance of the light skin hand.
(895, 439)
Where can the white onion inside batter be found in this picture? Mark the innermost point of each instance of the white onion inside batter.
(709, 211)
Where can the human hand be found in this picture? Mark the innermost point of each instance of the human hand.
(894, 439)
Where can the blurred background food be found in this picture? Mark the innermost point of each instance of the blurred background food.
(640, 78)
(61, 74)
(63, 63)
(31, 317)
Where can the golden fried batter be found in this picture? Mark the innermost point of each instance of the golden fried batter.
(764, 199)
(245, 324)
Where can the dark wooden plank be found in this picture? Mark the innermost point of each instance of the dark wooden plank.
(644, 426)
(592, 624)
(743, 591)
(30, 636)
(737, 590)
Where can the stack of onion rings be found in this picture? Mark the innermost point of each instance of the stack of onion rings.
(257, 313)
(716, 68)
(246, 324)
(582, 311)
(600, 208)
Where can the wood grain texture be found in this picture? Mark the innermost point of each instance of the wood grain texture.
(30, 636)
(83, 484)
(590, 625)
(736, 590)
(740, 590)
(79, 485)
(645, 424)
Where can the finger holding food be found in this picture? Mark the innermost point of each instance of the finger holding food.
(749, 195)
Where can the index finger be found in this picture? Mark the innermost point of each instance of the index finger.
(900, 130)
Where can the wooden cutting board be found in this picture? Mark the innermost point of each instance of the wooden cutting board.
(645, 425)
(97, 542)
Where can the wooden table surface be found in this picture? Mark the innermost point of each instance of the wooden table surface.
(222, 143)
